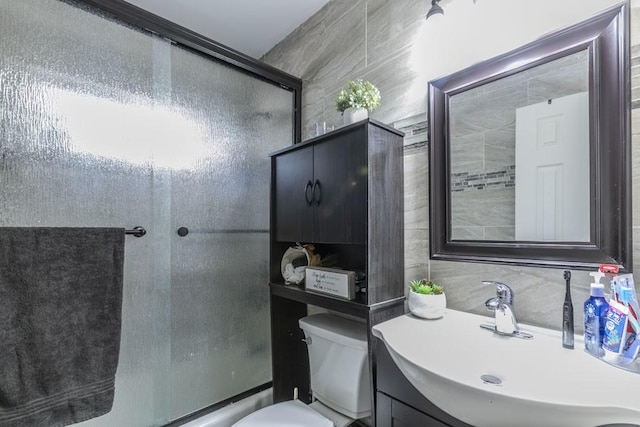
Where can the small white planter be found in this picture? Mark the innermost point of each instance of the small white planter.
(427, 306)
(351, 115)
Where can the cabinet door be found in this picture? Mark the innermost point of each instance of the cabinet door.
(340, 188)
(293, 193)
(392, 413)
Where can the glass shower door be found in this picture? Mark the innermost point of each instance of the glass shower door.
(220, 332)
(105, 125)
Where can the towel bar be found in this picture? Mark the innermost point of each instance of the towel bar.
(183, 231)
(137, 231)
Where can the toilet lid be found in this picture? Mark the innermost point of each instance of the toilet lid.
(285, 414)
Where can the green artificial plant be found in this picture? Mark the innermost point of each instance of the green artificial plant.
(426, 287)
(358, 94)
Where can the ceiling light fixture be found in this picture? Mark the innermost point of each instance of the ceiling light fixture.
(436, 9)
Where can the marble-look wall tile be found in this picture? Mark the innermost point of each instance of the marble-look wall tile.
(397, 80)
(494, 207)
(416, 188)
(416, 222)
(539, 292)
(467, 232)
(635, 168)
(296, 53)
(342, 48)
(467, 153)
(478, 109)
(636, 253)
(330, 47)
(462, 283)
(499, 147)
(562, 77)
(635, 76)
(313, 108)
(500, 233)
(495, 110)
(541, 90)
(391, 28)
(316, 46)
(463, 104)
(415, 245)
(464, 232)
(635, 22)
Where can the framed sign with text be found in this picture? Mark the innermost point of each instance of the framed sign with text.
(331, 281)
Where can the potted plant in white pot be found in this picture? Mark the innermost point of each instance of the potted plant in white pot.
(426, 299)
(357, 99)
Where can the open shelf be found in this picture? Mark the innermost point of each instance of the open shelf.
(357, 307)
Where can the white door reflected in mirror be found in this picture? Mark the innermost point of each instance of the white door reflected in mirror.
(552, 170)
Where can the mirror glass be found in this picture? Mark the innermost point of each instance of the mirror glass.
(529, 152)
(519, 150)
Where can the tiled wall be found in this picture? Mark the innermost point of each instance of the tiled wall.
(389, 43)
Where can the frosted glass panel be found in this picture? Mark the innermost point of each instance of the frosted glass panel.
(219, 303)
(102, 124)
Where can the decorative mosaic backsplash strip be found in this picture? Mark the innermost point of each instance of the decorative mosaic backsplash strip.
(416, 130)
(465, 181)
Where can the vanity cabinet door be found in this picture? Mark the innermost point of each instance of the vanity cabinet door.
(399, 403)
(293, 192)
(340, 188)
(392, 413)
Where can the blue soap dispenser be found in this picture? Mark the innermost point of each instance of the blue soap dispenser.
(595, 316)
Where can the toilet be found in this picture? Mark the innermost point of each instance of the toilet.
(339, 378)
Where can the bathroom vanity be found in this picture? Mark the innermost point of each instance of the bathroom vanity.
(343, 193)
(488, 379)
(398, 401)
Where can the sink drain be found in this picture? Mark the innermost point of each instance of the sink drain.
(491, 379)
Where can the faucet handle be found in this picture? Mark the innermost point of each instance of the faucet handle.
(503, 291)
(492, 304)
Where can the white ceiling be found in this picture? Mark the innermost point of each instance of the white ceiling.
(252, 27)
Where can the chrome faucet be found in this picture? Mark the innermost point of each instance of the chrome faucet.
(502, 306)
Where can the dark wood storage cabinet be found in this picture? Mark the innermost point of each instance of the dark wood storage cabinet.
(321, 191)
(342, 192)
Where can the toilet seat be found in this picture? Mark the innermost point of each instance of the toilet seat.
(292, 413)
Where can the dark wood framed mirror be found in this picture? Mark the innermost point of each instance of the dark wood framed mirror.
(530, 158)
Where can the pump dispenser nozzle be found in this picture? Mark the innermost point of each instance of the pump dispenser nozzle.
(597, 275)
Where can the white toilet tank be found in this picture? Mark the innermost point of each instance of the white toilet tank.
(339, 363)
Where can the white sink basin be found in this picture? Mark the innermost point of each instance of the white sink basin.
(542, 383)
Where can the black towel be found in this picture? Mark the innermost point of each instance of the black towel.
(60, 312)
